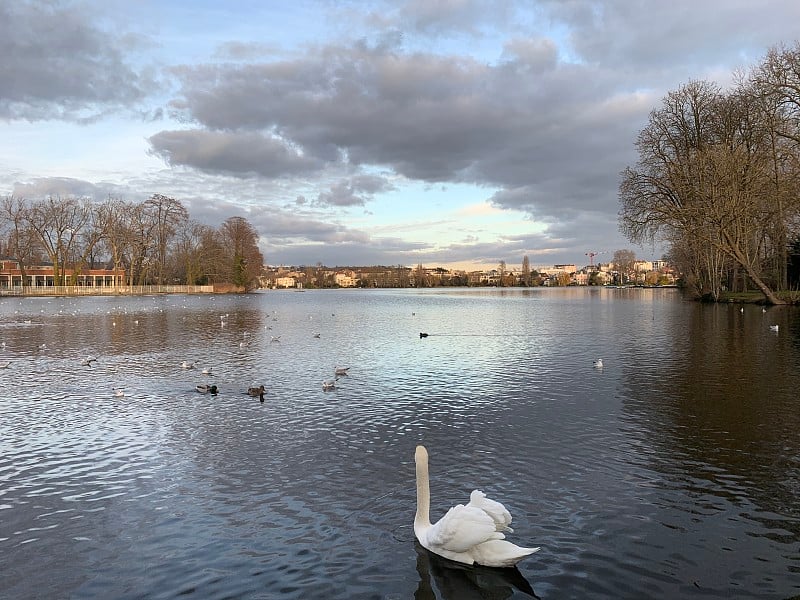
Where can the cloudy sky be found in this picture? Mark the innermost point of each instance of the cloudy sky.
(442, 132)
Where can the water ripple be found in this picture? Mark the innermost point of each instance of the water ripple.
(661, 475)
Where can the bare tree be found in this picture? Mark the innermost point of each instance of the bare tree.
(22, 242)
(526, 271)
(164, 214)
(189, 250)
(702, 173)
(82, 251)
(775, 86)
(240, 240)
(214, 264)
(115, 217)
(420, 276)
(57, 222)
(624, 263)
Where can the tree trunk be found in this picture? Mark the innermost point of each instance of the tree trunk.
(736, 254)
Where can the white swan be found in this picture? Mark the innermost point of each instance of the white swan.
(467, 534)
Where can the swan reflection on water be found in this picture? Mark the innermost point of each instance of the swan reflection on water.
(442, 579)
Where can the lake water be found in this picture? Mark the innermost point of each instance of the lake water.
(673, 472)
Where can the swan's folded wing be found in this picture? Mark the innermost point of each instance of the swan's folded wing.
(462, 528)
(498, 512)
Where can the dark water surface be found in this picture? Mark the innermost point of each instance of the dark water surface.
(673, 472)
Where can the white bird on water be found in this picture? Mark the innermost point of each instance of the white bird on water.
(467, 534)
(774, 327)
(119, 393)
(340, 371)
(328, 385)
(206, 371)
(187, 365)
(598, 364)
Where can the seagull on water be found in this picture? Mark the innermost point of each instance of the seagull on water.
(340, 371)
(598, 363)
(187, 365)
(774, 327)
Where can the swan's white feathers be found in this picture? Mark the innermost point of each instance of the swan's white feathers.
(467, 534)
(462, 528)
(500, 553)
(493, 508)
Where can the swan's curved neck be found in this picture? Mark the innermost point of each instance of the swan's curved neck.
(423, 488)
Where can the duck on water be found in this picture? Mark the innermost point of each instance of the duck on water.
(256, 392)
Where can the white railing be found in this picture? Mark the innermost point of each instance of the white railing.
(121, 290)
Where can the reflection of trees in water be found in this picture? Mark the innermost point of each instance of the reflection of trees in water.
(443, 579)
(717, 413)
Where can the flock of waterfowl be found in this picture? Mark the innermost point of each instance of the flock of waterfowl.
(259, 391)
(211, 388)
(205, 387)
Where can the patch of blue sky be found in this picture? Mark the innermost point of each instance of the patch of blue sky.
(450, 211)
(79, 151)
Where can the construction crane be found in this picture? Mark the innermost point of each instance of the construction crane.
(591, 256)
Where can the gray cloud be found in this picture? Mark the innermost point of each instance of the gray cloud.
(523, 122)
(42, 187)
(542, 110)
(452, 17)
(232, 153)
(59, 64)
(354, 191)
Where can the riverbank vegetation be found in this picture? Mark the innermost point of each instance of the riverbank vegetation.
(718, 179)
(155, 241)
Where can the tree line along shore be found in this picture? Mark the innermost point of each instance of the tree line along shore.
(75, 242)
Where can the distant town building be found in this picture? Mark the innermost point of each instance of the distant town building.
(285, 282)
(645, 272)
(345, 279)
